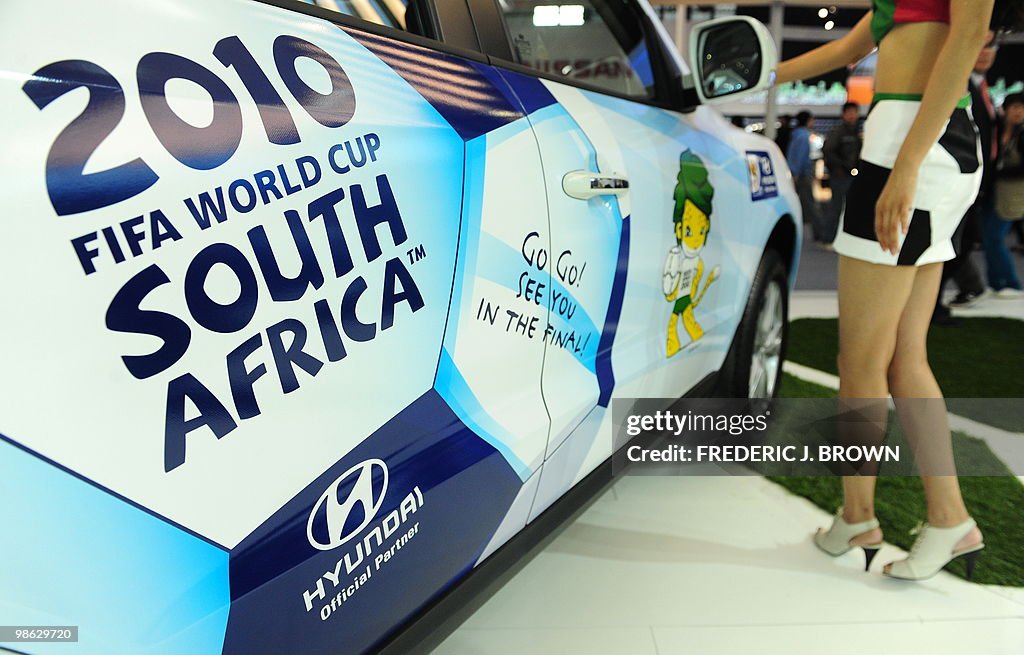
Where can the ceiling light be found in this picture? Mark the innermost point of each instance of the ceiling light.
(554, 15)
(545, 16)
(570, 15)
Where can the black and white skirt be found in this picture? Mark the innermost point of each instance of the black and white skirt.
(947, 185)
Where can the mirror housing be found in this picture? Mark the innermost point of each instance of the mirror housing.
(731, 57)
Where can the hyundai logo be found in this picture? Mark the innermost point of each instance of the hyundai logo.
(335, 513)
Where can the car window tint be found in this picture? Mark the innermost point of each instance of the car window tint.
(390, 13)
(600, 42)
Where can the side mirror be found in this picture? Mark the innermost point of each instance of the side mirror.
(732, 57)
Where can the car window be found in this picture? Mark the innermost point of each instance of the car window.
(600, 42)
(390, 13)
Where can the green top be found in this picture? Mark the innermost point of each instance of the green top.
(883, 14)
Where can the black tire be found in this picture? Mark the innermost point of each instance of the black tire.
(735, 381)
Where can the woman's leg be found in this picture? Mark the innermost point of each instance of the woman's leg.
(871, 301)
(922, 410)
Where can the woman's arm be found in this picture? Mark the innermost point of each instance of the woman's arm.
(969, 20)
(849, 49)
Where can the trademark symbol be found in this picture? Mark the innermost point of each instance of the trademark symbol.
(416, 254)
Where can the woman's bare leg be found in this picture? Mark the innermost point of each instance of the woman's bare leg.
(922, 410)
(871, 302)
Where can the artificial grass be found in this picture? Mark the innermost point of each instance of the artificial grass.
(980, 358)
(899, 505)
(794, 387)
(996, 503)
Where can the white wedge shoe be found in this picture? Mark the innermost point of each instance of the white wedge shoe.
(836, 540)
(933, 549)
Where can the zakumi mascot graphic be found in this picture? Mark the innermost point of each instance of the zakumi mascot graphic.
(684, 267)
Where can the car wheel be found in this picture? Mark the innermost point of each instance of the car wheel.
(754, 367)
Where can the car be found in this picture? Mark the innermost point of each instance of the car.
(315, 315)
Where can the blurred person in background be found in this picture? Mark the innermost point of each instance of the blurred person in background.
(1018, 230)
(798, 156)
(962, 269)
(1008, 205)
(841, 152)
(784, 133)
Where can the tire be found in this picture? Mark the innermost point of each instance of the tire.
(759, 347)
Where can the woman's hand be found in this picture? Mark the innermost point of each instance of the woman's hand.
(894, 207)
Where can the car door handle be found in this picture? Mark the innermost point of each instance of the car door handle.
(585, 185)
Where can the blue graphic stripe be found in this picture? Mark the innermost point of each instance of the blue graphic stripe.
(555, 118)
(530, 91)
(581, 324)
(75, 554)
(499, 258)
(664, 122)
(469, 233)
(124, 499)
(605, 374)
(455, 390)
(457, 88)
(466, 487)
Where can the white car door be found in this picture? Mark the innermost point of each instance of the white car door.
(612, 158)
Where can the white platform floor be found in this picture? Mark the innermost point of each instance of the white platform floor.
(724, 565)
(824, 304)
